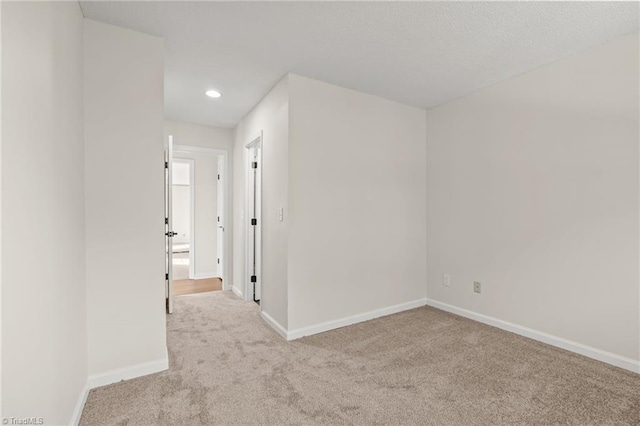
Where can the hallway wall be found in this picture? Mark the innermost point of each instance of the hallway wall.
(271, 119)
(124, 117)
(192, 134)
(44, 333)
(357, 200)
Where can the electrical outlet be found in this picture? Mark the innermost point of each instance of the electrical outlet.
(446, 280)
(477, 287)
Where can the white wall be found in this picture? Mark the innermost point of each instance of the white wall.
(44, 352)
(206, 209)
(198, 135)
(0, 212)
(533, 191)
(271, 117)
(123, 96)
(357, 239)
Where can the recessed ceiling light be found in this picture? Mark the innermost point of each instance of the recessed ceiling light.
(213, 93)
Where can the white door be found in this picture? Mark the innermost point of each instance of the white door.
(220, 214)
(254, 221)
(168, 224)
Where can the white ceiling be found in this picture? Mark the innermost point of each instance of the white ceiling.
(418, 53)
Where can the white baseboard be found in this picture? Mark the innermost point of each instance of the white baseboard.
(205, 275)
(274, 324)
(115, 376)
(127, 373)
(237, 292)
(354, 319)
(77, 411)
(579, 348)
(227, 286)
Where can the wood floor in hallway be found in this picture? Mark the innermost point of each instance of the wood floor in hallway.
(181, 287)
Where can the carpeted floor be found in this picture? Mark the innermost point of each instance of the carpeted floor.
(423, 367)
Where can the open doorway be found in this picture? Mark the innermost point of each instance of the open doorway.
(195, 220)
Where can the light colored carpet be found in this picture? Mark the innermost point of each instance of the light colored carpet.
(420, 367)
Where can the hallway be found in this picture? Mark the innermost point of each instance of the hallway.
(422, 366)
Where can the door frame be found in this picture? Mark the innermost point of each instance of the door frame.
(255, 142)
(221, 219)
(192, 210)
(168, 225)
(226, 243)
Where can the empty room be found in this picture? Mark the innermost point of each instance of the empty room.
(319, 213)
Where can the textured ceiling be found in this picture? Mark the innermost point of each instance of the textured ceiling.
(417, 53)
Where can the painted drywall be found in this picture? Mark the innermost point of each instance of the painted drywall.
(0, 212)
(271, 119)
(124, 119)
(205, 239)
(44, 358)
(190, 134)
(357, 205)
(533, 191)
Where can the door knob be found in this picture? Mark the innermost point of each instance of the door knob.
(170, 234)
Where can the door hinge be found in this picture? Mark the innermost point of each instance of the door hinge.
(218, 261)
(166, 220)
(218, 218)
(254, 222)
(254, 279)
(254, 165)
(166, 164)
(218, 177)
(254, 290)
(166, 276)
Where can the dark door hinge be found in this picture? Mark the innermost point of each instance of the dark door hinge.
(254, 279)
(166, 276)
(254, 222)
(254, 165)
(166, 165)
